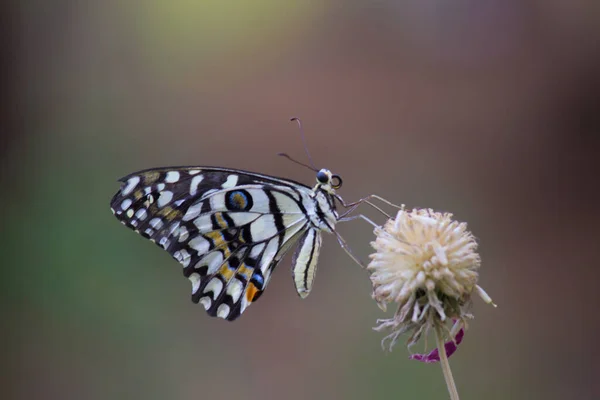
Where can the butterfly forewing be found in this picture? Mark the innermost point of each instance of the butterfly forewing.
(228, 228)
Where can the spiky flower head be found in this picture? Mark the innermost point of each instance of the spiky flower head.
(427, 263)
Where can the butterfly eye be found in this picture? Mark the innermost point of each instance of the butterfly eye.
(322, 177)
(336, 181)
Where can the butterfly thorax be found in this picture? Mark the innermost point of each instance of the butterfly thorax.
(322, 214)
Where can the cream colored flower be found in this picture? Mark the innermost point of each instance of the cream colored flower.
(426, 263)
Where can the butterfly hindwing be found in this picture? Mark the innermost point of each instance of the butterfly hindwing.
(228, 228)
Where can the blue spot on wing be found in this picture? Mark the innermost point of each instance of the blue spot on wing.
(258, 278)
(238, 200)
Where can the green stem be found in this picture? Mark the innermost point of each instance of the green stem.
(439, 338)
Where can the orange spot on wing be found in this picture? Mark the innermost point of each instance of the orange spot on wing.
(216, 237)
(251, 292)
(151, 177)
(226, 272)
(220, 220)
(239, 200)
(169, 213)
(138, 194)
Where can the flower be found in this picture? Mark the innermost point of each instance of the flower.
(427, 263)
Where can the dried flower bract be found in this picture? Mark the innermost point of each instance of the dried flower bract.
(426, 263)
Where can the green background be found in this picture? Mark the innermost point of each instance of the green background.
(484, 109)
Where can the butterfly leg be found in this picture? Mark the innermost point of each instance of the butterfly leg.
(355, 206)
(343, 243)
(377, 227)
(345, 218)
(347, 249)
(352, 206)
(354, 217)
(364, 199)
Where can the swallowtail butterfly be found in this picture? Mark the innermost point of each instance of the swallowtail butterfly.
(230, 228)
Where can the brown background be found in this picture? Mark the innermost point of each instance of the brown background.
(489, 110)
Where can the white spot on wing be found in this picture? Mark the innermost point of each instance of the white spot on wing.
(195, 279)
(286, 204)
(215, 285)
(164, 198)
(125, 204)
(141, 214)
(230, 182)
(269, 255)
(212, 260)
(182, 233)
(199, 244)
(194, 184)
(223, 311)
(183, 257)
(235, 289)
(164, 242)
(149, 200)
(160, 186)
(263, 228)
(129, 213)
(193, 171)
(206, 302)
(173, 227)
(193, 211)
(203, 223)
(172, 176)
(131, 184)
(217, 202)
(243, 218)
(260, 200)
(156, 223)
(256, 250)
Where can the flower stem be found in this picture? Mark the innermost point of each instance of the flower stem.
(439, 338)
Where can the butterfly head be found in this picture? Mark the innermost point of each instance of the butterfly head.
(328, 181)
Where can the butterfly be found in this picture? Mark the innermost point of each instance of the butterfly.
(230, 228)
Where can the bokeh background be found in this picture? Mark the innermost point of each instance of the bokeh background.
(487, 109)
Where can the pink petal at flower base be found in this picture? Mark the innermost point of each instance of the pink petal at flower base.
(434, 355)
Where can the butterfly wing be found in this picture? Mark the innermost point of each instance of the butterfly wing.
(228, 228)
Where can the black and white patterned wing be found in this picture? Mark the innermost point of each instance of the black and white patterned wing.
(228, 228)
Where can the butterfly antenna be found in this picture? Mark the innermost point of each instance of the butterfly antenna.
(312, 164)
(296, 161)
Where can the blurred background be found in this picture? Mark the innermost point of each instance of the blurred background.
(487, 109)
